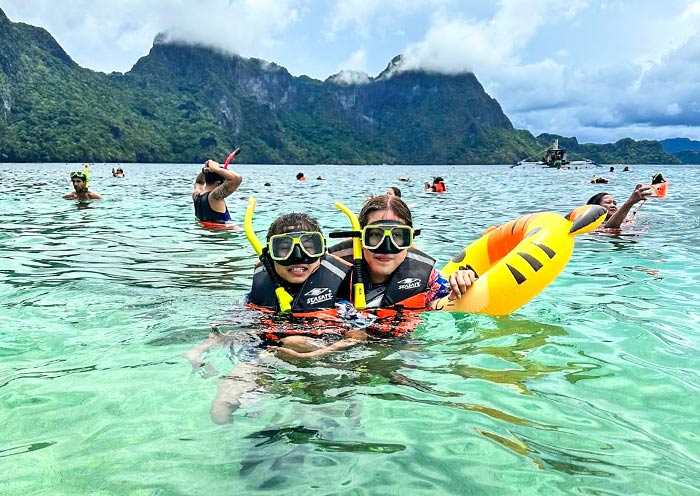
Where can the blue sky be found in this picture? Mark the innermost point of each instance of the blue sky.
(600, 71)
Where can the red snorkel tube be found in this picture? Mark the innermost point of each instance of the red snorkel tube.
(230, 157)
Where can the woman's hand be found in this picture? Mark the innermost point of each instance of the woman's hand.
(460, 281)
(641, 192)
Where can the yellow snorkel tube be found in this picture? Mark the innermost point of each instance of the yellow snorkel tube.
(359, 285)
(284, 299)
(86, 171)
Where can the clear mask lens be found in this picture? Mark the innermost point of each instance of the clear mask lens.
(373, 236)
(281, 246)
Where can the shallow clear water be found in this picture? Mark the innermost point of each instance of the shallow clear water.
(591, 388)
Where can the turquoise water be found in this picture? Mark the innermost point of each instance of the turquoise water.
(592, 388)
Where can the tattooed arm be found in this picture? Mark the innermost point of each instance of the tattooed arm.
(231, 181)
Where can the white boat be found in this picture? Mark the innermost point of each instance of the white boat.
(555, 157)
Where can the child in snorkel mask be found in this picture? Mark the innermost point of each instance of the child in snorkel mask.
(294, 258)
(296, 254)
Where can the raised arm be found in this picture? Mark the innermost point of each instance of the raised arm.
(641, 192)
(231, 180)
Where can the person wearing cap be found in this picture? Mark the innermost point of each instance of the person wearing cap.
(211, 187)
(80, 185)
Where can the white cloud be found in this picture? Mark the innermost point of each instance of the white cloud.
(367, 17)
(350, 77)
(455, 44)
(246, 27)
(356, 62)
(96, 33)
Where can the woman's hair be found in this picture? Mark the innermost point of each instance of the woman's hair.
(596, 199)
(397, 191)
(385, 202)
(294, 221)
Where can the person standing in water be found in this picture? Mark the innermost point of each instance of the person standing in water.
(80, 185)
(211, 187)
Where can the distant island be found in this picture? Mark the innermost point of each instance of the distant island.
(183, 103)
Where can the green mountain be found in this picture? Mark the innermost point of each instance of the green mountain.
(688, 156)
(188, 103)
(674, 145)
(687, 151)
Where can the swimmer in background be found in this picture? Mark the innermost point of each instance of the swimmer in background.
(438, 185)
(301, 177)
(393, 191)
(211, 187)
(80, 185)
(616, 217)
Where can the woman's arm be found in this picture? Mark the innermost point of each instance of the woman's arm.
(640, 193)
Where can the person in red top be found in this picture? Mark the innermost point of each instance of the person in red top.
(438, 185)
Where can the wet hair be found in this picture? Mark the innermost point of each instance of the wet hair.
(596, 199)
(397, 191)
(385, 202)
(657, 178)
(300, 175)
(294, 221)
(212, 178)
(438, 180)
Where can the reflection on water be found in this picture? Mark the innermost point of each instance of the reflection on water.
(593, 385)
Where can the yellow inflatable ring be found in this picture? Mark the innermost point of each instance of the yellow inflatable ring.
(519, 259)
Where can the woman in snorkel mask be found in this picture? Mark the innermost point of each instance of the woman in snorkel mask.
(396, 273)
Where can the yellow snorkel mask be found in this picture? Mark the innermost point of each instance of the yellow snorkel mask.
(84, 176)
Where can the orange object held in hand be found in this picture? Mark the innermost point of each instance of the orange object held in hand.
(658, 190)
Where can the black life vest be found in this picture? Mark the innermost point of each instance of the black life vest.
(318, 292)
(407, 285)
